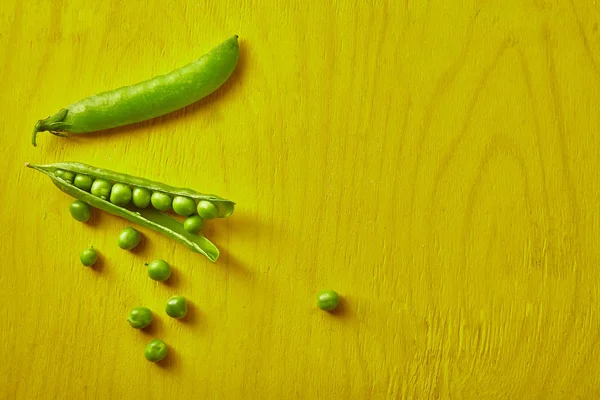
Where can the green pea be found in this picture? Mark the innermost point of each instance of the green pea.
(83, 182)
(101, 188)
(65, 175)
(184, 206)
(80, 211)
(207, 210)
(141, 197)
(129, 238)
(193, 224)
(176, 307)
(88, 257)
(140, 317)
(120, 194)
(328, 300)
(156, 350)
(161, 201)
(159, 270)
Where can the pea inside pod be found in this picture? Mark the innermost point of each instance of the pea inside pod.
(161, 201)
(120, 194)
(141, 197)
(101, 188)
(184, 206)
(149, 99)
(83, 182)
(65, 175)
(148, 217)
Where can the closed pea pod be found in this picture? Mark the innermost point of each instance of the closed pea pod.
(149, 99)
(148, 217)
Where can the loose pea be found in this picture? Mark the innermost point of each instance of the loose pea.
(161, 201)
(101, 188)
(207, 210)
(88, 257)
(156, 350)
(184, 206)
(129, 238)
(80, 211)
(140, 317)
(193, 224)
(141, 197)
(65, 175)
(120, 194)
(328, 300)
(159, 270)
(176, 307)
(83, 182)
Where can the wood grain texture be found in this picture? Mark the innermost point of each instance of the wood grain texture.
(435, 162)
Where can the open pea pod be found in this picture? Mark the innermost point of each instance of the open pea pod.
(146, 217)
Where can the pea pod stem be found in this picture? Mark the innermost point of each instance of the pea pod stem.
(149, 99)
(148, 217)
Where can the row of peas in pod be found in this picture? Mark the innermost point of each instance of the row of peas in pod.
(123, 195)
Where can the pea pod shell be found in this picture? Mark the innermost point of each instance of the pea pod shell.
(148, 99)
(148, 218)
(226, 207)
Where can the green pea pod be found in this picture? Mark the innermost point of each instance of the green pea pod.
(149, 99)
(148, 217)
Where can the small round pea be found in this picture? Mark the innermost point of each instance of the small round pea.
(83, 182)
(120, 194)
(184, 206)
(156, 350)
(101, 188)
(159, 270)
(207, 210)
(65, 175)
(140, 317)
(80, 211)
(328, 300)
(161, 201)
(193, 224)
(176, 307)
(88, 257)
(129, 238)
(141, 197)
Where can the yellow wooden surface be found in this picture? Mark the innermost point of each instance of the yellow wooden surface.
(436, 162)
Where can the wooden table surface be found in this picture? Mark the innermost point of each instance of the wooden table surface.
(435, 162)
